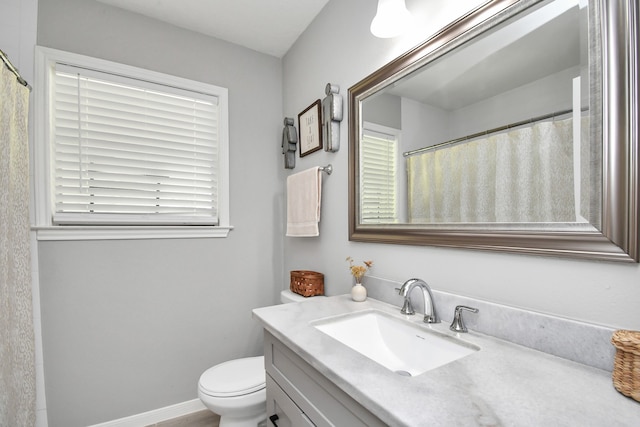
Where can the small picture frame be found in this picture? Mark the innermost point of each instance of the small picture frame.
(310, 129)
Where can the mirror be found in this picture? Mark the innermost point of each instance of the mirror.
(513, 129)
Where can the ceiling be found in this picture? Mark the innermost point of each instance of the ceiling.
(267, 26)
(538, 44)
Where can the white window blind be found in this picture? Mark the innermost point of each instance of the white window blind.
(378, 152)
(127, 151)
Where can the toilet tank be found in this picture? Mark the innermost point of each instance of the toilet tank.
(286, 296)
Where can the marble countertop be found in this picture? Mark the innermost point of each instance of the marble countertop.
(502, 384)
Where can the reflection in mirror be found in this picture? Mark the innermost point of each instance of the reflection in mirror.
(486, 134)
(491, 135)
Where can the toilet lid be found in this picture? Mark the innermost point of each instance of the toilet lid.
(234, 378)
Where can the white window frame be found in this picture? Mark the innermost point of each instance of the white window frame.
(46, 58)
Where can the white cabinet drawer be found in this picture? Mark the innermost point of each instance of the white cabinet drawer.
(280, 405)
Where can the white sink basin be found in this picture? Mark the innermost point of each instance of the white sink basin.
(396, 344)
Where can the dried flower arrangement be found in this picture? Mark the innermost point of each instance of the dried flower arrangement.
(358, 271)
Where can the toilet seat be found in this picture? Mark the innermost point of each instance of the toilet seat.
(234, 378)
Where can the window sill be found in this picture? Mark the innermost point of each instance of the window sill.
(129, 232)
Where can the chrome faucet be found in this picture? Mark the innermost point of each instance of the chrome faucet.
(430, 314)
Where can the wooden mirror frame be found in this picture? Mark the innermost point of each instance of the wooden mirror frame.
(614, 23)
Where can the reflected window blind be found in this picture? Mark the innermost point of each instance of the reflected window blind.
(128, 151)
(378, 153)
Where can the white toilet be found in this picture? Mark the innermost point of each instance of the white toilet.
(235, 390)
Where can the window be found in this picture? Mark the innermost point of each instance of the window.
(378, 166)
(127, 147)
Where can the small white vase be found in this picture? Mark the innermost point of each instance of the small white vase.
(358, 292)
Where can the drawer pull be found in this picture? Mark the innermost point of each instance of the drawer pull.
(273, 418)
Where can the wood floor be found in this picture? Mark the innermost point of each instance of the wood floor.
(197, 419)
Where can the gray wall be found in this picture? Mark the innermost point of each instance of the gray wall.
(423, 125)
(551, 93)
(339, 48)
(384, 109)
(129, 325)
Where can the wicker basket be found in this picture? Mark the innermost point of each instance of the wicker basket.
(307, 283)
(626, 367)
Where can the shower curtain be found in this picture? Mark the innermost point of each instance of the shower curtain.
(17, 355)
(516, 176)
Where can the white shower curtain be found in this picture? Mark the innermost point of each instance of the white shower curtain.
(516, 176)
(17, 359)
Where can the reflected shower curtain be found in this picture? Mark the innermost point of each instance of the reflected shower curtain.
(517, 176)
(17, 359)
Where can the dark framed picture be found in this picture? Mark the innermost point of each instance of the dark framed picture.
(309, 127)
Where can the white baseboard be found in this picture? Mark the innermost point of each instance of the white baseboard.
(157, 415)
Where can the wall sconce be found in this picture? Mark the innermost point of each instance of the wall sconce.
(392, 18)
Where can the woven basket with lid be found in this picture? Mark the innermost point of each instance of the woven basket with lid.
(626, 366)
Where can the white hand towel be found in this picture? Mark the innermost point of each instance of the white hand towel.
(304, 192)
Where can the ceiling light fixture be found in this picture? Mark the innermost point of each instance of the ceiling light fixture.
(392, 18)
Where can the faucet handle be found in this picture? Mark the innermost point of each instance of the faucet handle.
(458, 324)
(407, 308)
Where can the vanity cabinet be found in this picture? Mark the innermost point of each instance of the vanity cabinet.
(301, 396)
